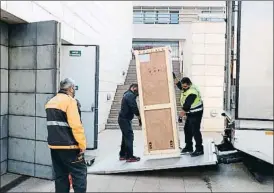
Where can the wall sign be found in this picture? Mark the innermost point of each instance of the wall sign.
(75, 53)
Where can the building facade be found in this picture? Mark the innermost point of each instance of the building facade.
(195, 30)
(107, 24)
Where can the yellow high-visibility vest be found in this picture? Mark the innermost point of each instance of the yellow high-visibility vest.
(197, 102)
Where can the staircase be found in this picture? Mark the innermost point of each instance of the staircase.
(112, 122)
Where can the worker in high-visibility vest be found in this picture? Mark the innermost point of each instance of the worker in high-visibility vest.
(192, 109)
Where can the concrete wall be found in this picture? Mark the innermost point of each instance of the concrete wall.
(106, 23)
(207, 70)
(3, 97)
(29, 81)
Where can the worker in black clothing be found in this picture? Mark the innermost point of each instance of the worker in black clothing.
(192, 108)
(129, 108)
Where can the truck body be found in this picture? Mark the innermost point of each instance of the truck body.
(249, 78)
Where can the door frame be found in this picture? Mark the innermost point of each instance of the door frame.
(96, 93)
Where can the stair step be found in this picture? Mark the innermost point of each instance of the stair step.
(131, 77)
(119, 97)
(118, 106)
(116, 127)
(134, 71)
(130, 81)
(119, 94)
(134, 127)
(115, 112)
(115, 121)
(126, 86)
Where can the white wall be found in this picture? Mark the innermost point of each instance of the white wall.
(207, 69)
(106, 23)
(161, 31)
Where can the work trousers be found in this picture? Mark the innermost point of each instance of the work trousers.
(127, 138)
(67, 162)
(192, 129)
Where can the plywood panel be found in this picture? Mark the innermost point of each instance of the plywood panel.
(154, 79)
(159, 134)
(157, 102)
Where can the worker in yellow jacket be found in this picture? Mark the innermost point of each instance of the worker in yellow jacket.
(66, 139)
(192, 108)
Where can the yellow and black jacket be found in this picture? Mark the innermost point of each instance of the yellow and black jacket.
(65, 130)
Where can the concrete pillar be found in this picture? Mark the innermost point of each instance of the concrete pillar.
(3, 97)
(33, 68)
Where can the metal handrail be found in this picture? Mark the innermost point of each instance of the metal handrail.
(180, 9)
(173, 18)
(167, 14)
(164, 18)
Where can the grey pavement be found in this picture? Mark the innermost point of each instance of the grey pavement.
(224, 178)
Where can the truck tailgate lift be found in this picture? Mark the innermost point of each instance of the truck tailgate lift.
(111, 163)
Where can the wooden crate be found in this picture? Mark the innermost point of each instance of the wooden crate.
(157, 102)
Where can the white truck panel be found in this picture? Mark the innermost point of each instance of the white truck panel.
(255, 99)
(258, 143)
(258, 125)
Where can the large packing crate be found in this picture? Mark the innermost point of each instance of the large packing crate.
(157, 102)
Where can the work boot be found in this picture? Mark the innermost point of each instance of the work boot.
(133, 159)
(187, 150)
(197, 153)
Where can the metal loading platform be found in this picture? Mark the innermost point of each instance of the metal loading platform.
(112, 165)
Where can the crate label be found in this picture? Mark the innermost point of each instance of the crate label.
(144, 57)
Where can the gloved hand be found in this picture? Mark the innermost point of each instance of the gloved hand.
(174, 76)
(140, 122)
(180, 119)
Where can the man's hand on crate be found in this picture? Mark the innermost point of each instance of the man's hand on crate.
(174, 76)
(140, 122)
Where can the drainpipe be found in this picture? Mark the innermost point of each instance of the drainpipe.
(181, 57)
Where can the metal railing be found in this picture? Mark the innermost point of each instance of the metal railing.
(163, 18)
(171, 18)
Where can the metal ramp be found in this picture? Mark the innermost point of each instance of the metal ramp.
(111, 164)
